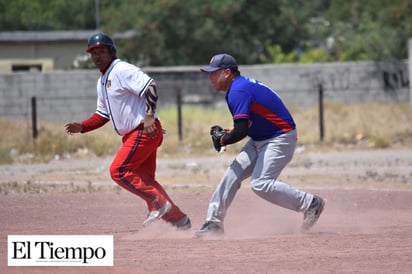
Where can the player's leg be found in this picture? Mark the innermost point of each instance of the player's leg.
(147, 172)
(240, 169)
(274, 155)
(126, 168)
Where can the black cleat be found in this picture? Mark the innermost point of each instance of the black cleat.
(209, 228)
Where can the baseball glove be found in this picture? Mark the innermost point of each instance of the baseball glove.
(217, 133)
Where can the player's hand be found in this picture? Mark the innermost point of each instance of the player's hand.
(74, 127)
(217, 133)
(149, 126)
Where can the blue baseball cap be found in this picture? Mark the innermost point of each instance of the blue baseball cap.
(220, 61)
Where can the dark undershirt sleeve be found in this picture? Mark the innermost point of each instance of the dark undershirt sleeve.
(239, 131)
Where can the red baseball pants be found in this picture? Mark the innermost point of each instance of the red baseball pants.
(134, 169)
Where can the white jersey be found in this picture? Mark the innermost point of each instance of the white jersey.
(120, 96)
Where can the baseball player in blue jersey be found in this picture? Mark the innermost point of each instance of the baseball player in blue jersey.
(258, 112)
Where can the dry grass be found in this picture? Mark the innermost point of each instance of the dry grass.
(354, 126)
(366, 126)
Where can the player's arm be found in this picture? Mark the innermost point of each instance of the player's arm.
(221, 137)
(95, 121)
(151, 99)
(239, 131)
(151, 103)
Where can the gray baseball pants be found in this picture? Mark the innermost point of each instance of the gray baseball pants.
(263, 161)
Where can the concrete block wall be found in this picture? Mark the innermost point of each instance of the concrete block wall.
(71, 95)
(347, 83)
(410, 69)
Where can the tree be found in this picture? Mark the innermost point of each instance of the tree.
(176, 32)
(46, 15)
(370, 29)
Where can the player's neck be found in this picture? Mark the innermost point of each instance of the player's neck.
(103, 71)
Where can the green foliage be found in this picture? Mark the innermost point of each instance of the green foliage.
(174, 32)
(47, 15)
(275, 55)
(376, 30)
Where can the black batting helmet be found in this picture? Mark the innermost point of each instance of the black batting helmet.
(101, 39)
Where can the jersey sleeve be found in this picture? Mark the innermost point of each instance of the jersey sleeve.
(135, 80)
(95, 121)
(239, 104)
(101, 108)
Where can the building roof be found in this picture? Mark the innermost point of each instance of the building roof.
(66, 35)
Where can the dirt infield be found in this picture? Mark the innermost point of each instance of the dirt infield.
(366, 226)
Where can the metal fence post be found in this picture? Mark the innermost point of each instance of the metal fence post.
(34, 117)
(179, 113)
(321, 119)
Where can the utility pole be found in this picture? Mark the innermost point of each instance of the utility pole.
(97, 10)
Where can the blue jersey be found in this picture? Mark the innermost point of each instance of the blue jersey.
(268, 116)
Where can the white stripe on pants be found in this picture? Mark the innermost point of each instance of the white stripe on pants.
(263, 161)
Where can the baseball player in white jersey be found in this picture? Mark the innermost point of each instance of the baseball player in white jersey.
(127, 97)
